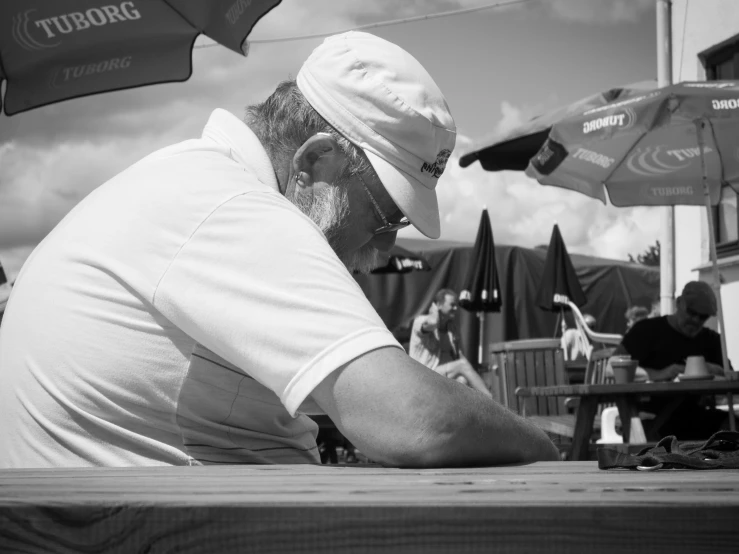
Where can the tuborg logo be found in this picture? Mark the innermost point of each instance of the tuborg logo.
(437, 168)
(592, 157)
(236, 10)
(549, 157)
(66, 75)
(38, 34)
(666, 192)
(727, 104)
(656, 161)
(623, 119)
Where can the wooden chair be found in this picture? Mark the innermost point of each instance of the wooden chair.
(530, 363)
(540, 362)
(595, 373)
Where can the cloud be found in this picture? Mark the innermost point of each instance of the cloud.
(599, 11)
(39, 186)
(52, 157)
(522, 211)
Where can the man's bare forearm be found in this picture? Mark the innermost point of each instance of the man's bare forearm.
(400, 413)
(481, 433)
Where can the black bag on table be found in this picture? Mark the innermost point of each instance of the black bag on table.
(721, 451)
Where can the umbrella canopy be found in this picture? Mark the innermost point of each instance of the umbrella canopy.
(401, 260)
(53, 50)
(514, 150)
(645, 151)
(481, 292)
(559, 282)
(676, 145)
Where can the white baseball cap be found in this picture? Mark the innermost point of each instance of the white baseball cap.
(381, 99)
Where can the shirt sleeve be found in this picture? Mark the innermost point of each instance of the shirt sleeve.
(258, 284)
(637, 340)
(417, 328)
(713, 353)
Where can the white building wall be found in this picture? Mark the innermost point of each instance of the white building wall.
(698, 25)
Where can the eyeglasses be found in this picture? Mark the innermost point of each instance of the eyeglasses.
(695, 315)
(387, 227)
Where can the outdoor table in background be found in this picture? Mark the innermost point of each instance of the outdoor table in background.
(625, 396)
(543, 507)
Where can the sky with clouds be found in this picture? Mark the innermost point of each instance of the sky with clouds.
(496, 67)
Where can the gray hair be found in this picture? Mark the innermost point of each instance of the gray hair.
(285, 120)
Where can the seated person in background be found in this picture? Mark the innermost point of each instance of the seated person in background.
(634, 314)
(435, 343)
(576, 346)
(662, 344)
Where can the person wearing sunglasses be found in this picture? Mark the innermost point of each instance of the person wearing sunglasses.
(198, 307)
(662, 346)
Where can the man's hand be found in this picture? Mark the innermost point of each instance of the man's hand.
(715, 369)
(432, 321)
(666, 374)
(641, 375)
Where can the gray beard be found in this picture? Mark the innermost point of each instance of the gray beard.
(329, 209)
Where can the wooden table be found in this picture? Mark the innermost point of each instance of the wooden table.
(560, 507)
(625, 396)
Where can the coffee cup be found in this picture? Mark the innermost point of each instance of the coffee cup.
(624, 369)
(695, 366)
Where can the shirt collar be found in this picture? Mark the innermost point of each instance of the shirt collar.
(225, 128)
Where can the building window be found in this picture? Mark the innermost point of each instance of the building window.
(722, 63)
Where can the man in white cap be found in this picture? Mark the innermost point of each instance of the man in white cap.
(194, 308)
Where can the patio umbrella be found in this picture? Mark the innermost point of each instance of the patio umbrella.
(401, 260)
(53, 50)
(481, 292)
(514, 150)
(559, 283)
(676, 145)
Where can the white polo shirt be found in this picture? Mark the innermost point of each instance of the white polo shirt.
(182, 313)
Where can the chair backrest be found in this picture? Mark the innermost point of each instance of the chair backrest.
(529, 363)
(595, 373)
(605, 338)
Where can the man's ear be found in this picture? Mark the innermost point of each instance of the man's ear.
(318, 162)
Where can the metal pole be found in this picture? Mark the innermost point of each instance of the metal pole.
(481, 318)
(667, 242)
(699, 127)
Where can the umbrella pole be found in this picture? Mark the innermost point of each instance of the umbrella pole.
(481, 317)
(719, 304)
(716, 276)
(559, 323)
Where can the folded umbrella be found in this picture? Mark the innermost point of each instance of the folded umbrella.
(559, 283)
(481, 293)
(53, 50)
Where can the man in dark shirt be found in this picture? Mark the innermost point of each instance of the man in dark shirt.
(662, 345)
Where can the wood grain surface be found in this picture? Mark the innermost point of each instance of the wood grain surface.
(543, 507)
